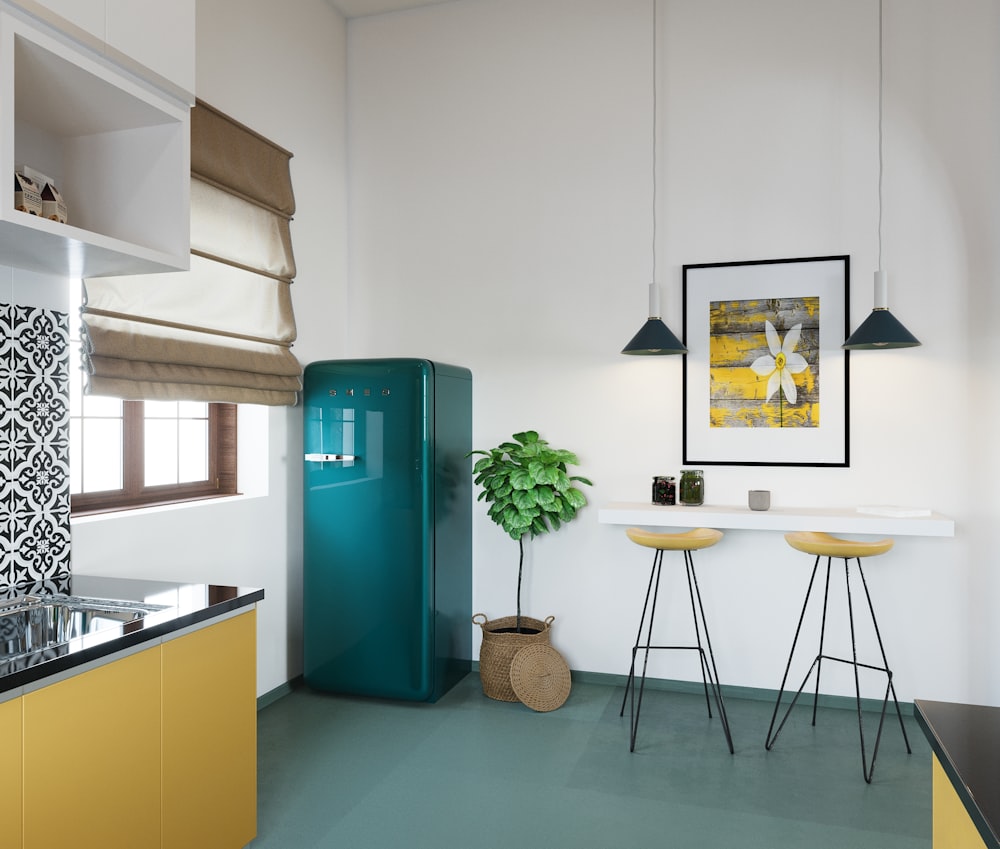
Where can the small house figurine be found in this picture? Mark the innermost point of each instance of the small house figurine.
(27, 197)
(53, 206)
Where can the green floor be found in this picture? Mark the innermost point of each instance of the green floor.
(339, 771)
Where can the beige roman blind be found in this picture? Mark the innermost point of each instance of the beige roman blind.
(222, 331)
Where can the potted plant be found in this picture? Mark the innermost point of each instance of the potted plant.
(529, 490)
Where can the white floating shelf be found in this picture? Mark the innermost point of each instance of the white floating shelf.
(845, 520)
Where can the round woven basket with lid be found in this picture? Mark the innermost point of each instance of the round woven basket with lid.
(540, 677)
(500, 644)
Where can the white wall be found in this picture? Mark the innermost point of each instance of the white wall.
(500, 219)
(278, 68)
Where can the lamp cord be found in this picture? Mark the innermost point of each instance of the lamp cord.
(654, 142)
(880, 155)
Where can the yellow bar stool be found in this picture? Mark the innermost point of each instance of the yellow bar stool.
(823, 545)
(687, 542)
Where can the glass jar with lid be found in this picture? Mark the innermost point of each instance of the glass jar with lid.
(664, 490)
(692, 489)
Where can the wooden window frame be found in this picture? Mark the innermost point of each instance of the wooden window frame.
(221, 479)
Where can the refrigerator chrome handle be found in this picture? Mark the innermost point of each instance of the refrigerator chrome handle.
(331, 458)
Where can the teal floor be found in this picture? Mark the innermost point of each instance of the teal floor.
(339, 771)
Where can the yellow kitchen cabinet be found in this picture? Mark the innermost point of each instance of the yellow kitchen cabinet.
(210, 736)
(92, 758)
(952, 826)
(10, 775)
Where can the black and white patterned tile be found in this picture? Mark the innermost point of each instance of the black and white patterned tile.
(40, 546)
(40, 409)
(39, 477)
(34, 445)
(39, 341)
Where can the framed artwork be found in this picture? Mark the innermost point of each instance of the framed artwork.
(765, 378)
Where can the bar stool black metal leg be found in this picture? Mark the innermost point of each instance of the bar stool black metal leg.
(631, 672)
(636, 705)
(772, 733)
(822, 638)
(865, 771)
(885, 661)
(868, 769)
(713, 672)
(692, 586)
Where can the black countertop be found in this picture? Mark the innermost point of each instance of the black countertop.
(966, 740)
(184, 605)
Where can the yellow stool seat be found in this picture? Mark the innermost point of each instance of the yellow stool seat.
(824, 545)
(685, 541)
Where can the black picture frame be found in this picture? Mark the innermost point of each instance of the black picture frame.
(766, 381)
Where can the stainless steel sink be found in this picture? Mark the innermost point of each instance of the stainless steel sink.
(35, 623)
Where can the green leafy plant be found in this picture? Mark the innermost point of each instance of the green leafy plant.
(529, 490)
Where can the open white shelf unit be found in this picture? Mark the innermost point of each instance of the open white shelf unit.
(117, 151)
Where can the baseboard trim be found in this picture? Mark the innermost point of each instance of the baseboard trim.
(756, 694)
(279, 692)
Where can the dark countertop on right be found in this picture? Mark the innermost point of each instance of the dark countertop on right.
(966, 740)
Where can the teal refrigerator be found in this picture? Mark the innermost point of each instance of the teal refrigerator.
(387, 569)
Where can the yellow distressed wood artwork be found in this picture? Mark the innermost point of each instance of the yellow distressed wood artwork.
(738, 338)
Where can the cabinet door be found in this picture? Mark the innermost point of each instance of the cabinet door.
(92, 758)
(953, 828)
(10, 775)
(210, 736)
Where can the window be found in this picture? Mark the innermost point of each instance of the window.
(126, 454)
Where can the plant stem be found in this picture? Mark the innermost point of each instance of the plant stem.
(520, 569)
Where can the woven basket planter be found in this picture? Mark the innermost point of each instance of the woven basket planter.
(500, 644)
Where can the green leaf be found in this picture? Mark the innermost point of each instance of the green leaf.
(575, 498)
(561, 480)
(521, 479)
(514, 518)
(526, 437)
(524, 498)
(542, 473)
(582, 480)
(544, 495)
(482, 463)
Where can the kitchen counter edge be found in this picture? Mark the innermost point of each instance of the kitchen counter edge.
(966, 768)
(196, 604)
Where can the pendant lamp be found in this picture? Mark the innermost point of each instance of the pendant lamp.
(654, 337)
(881, 329)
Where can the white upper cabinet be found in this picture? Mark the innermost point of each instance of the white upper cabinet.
(159, 35)
(116, 145)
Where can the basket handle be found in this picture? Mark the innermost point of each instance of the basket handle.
(475, 620)
(549, 620)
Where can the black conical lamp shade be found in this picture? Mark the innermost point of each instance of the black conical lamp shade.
(881, 329)
(654, 337)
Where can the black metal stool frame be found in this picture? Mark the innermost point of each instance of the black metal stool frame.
(709, 672)
(867, 769)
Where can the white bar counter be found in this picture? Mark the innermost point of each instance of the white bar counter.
(845, 520)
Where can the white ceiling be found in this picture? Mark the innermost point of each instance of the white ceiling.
(360, 8)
